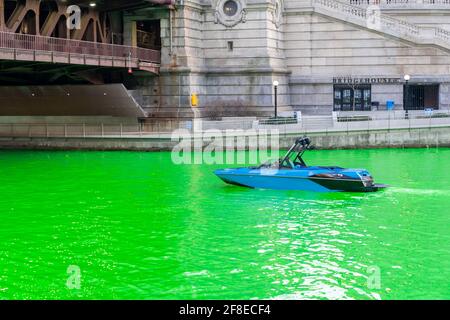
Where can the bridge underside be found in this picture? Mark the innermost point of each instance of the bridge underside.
(14, 72)
(68, 101)
(35, 38)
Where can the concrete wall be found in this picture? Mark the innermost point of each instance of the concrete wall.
(429, 137)
(383, 93)
(311, 96)
(316, 45)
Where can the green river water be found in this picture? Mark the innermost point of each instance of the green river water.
(139, 227)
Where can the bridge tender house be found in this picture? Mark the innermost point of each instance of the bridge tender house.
(380, 93)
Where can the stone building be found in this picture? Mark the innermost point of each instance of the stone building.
(326, 55)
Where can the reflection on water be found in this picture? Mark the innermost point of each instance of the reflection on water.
(141, 228)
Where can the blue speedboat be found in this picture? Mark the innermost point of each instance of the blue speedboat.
(292, 173)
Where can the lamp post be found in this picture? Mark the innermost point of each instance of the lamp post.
(275, 88)
(407, 77)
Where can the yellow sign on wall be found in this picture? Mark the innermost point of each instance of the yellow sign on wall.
(194, 100)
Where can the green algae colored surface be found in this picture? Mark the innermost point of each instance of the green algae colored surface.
(139, 227)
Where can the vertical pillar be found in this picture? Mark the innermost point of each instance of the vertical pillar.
(68, 33)
(2, 15)
(36, 22)
(133, 34)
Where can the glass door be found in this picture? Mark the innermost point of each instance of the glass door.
(337, 100)
(347, 101)
(367, 99)
(358, 98)
(347, 98)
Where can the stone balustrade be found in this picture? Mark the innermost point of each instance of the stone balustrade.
(373, 19)
(442, 34)
(401, 3)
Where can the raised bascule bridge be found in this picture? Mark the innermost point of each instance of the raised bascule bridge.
(50, 69)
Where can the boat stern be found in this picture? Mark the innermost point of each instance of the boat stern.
(367, 180)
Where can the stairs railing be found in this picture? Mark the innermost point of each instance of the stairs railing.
(442, 34)
(384, 23)
(400, 3)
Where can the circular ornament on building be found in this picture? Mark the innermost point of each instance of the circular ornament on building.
(277, 13)
(230, 12)
(230, 8)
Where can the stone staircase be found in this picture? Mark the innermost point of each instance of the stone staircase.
(374, 20)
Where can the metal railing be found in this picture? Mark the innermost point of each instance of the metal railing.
(338, 122)
(69, 130)
(365, 121)
(48, 44)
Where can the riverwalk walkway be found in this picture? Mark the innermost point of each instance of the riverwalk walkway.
(337, 122)
(349, 130)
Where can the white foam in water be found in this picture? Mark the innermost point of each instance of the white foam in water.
(196, 274)
(422, 191)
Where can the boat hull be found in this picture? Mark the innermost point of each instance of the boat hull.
(291, 181)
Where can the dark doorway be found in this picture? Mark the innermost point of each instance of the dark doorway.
(352, 98)
(421, 97)
(149, 34)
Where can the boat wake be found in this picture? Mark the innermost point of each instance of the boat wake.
(425, 192)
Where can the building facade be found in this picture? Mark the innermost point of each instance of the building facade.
(347, 55)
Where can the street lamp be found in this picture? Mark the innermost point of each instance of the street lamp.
(407, 77)
(275, 88)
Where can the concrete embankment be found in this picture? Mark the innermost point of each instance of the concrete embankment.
(394, 138)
